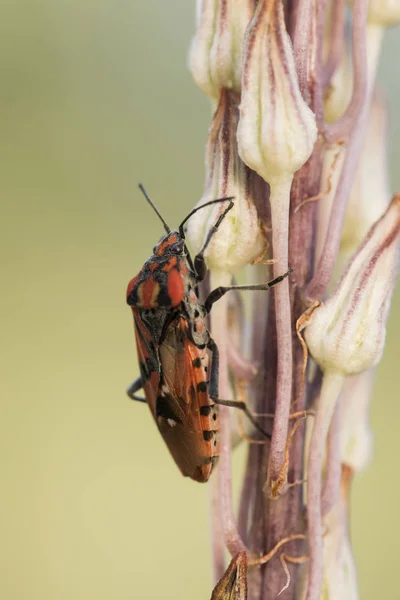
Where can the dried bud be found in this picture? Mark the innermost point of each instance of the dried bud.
(355, 430)
(277, 129)
(233, 585)
(347, 333)
(215, 58)
(384, 12)
(240, 238)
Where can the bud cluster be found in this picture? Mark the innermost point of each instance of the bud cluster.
(302, 113)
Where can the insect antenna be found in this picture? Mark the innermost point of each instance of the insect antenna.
(229, 199)
(154, 207)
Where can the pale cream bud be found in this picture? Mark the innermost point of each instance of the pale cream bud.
(355, 430)
(339, 569)
(340, 575)
(338, 95)
(346, 334)
(277, 129)
(240, 238)
(384, 12)
(215, 58)
(370, 194)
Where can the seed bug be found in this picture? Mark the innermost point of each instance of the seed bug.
(174, 345)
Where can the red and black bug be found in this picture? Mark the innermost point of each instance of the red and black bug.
(178, 358)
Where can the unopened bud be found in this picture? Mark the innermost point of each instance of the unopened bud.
(340, 577)
(240, 238)
(355, 430)
(215, 58)
(370, 195)
(338, 95)
(346, 334)
(384, 12)
(277, 129)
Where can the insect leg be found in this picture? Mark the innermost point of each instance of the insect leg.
(135, 387)
(214, 371)
(199, 262)
(216, 294)
(213, 389)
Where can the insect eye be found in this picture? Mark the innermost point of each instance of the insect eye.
(178, 247)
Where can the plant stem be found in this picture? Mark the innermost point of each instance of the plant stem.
(301, 35)
(331, 486)
(219, 326)
(280, 199)
(331, 387)
(337, 17)
(217, 539)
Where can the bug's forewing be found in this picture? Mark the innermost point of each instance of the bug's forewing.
(187, 418)
(148, 362)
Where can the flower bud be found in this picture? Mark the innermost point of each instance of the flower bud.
(384, 12)
(277, 129)
(370, 195)
(346, 334)
(215, 58)
(355, 430)
(340, 576)
(340, 89)
(339, 569)
(240, 238)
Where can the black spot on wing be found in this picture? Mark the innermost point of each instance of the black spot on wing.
(196, 362)
(205, 410)
(165, 410)
(202, 386)
(210, 460)
(208, 435)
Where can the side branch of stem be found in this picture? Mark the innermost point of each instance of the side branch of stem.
(280, 199)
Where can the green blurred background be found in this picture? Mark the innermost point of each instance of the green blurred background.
(95, 97)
